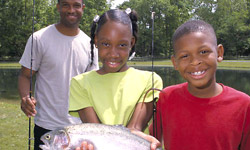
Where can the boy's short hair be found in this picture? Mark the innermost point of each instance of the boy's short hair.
(193, 26)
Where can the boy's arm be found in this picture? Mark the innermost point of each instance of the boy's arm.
(245, 142)
(155, 128)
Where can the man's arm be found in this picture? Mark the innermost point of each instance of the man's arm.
(27, 103)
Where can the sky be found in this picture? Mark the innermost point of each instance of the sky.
(117, 2)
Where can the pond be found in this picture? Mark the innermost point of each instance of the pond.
(238, 79)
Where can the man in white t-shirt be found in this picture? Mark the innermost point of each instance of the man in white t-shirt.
(60, 52)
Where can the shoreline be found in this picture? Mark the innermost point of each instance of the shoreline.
(226, 64)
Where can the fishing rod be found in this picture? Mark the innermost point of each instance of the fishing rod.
(152, 56)
(31, 54)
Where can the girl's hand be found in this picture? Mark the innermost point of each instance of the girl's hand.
(85, 146)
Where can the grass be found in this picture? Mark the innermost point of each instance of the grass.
(9, 65)
(230, 64)
(234, 64)
(226, 64)
(13, 126)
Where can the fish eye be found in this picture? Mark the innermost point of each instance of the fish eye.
(47, 137)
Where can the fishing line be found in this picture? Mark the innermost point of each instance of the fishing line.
(31, 54)
(152, 56)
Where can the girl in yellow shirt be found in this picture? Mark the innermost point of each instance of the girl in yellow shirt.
(114, 93)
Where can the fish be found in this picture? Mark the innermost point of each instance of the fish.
(102, 136)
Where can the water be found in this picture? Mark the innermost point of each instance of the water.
(8, 83)
(238, 79)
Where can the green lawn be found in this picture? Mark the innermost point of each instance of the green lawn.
(14, 126)
(9, 65)
(231, 64)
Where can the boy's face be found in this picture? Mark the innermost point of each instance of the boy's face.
(196, 57)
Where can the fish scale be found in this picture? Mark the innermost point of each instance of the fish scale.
(103, 137)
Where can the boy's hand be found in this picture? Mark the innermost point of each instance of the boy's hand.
(28, 106)
(154, 142)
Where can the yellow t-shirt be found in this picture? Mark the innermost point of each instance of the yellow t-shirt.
(113, 96)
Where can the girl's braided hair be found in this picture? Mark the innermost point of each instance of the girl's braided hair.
(117, 15)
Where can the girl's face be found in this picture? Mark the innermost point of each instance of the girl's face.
(114, 42)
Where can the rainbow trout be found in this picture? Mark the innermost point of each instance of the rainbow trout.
(103, 137)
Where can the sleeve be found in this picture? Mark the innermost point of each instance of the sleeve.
(36, 55)
(79, 98)
(151, 94)
(245, 142)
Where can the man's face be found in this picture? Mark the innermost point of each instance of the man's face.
(70, 12)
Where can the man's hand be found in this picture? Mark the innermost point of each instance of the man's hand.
(28, 106)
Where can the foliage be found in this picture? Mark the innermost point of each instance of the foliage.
(169, 15)
(93, 8)
(16, 21)
(13, 19)
(230, 19)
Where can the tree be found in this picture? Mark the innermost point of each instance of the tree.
(14, 26)
(16, 21)
(93, 8)
(230, 18)
(169, 14)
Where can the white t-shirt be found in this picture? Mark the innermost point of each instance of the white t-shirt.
(56, 58)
